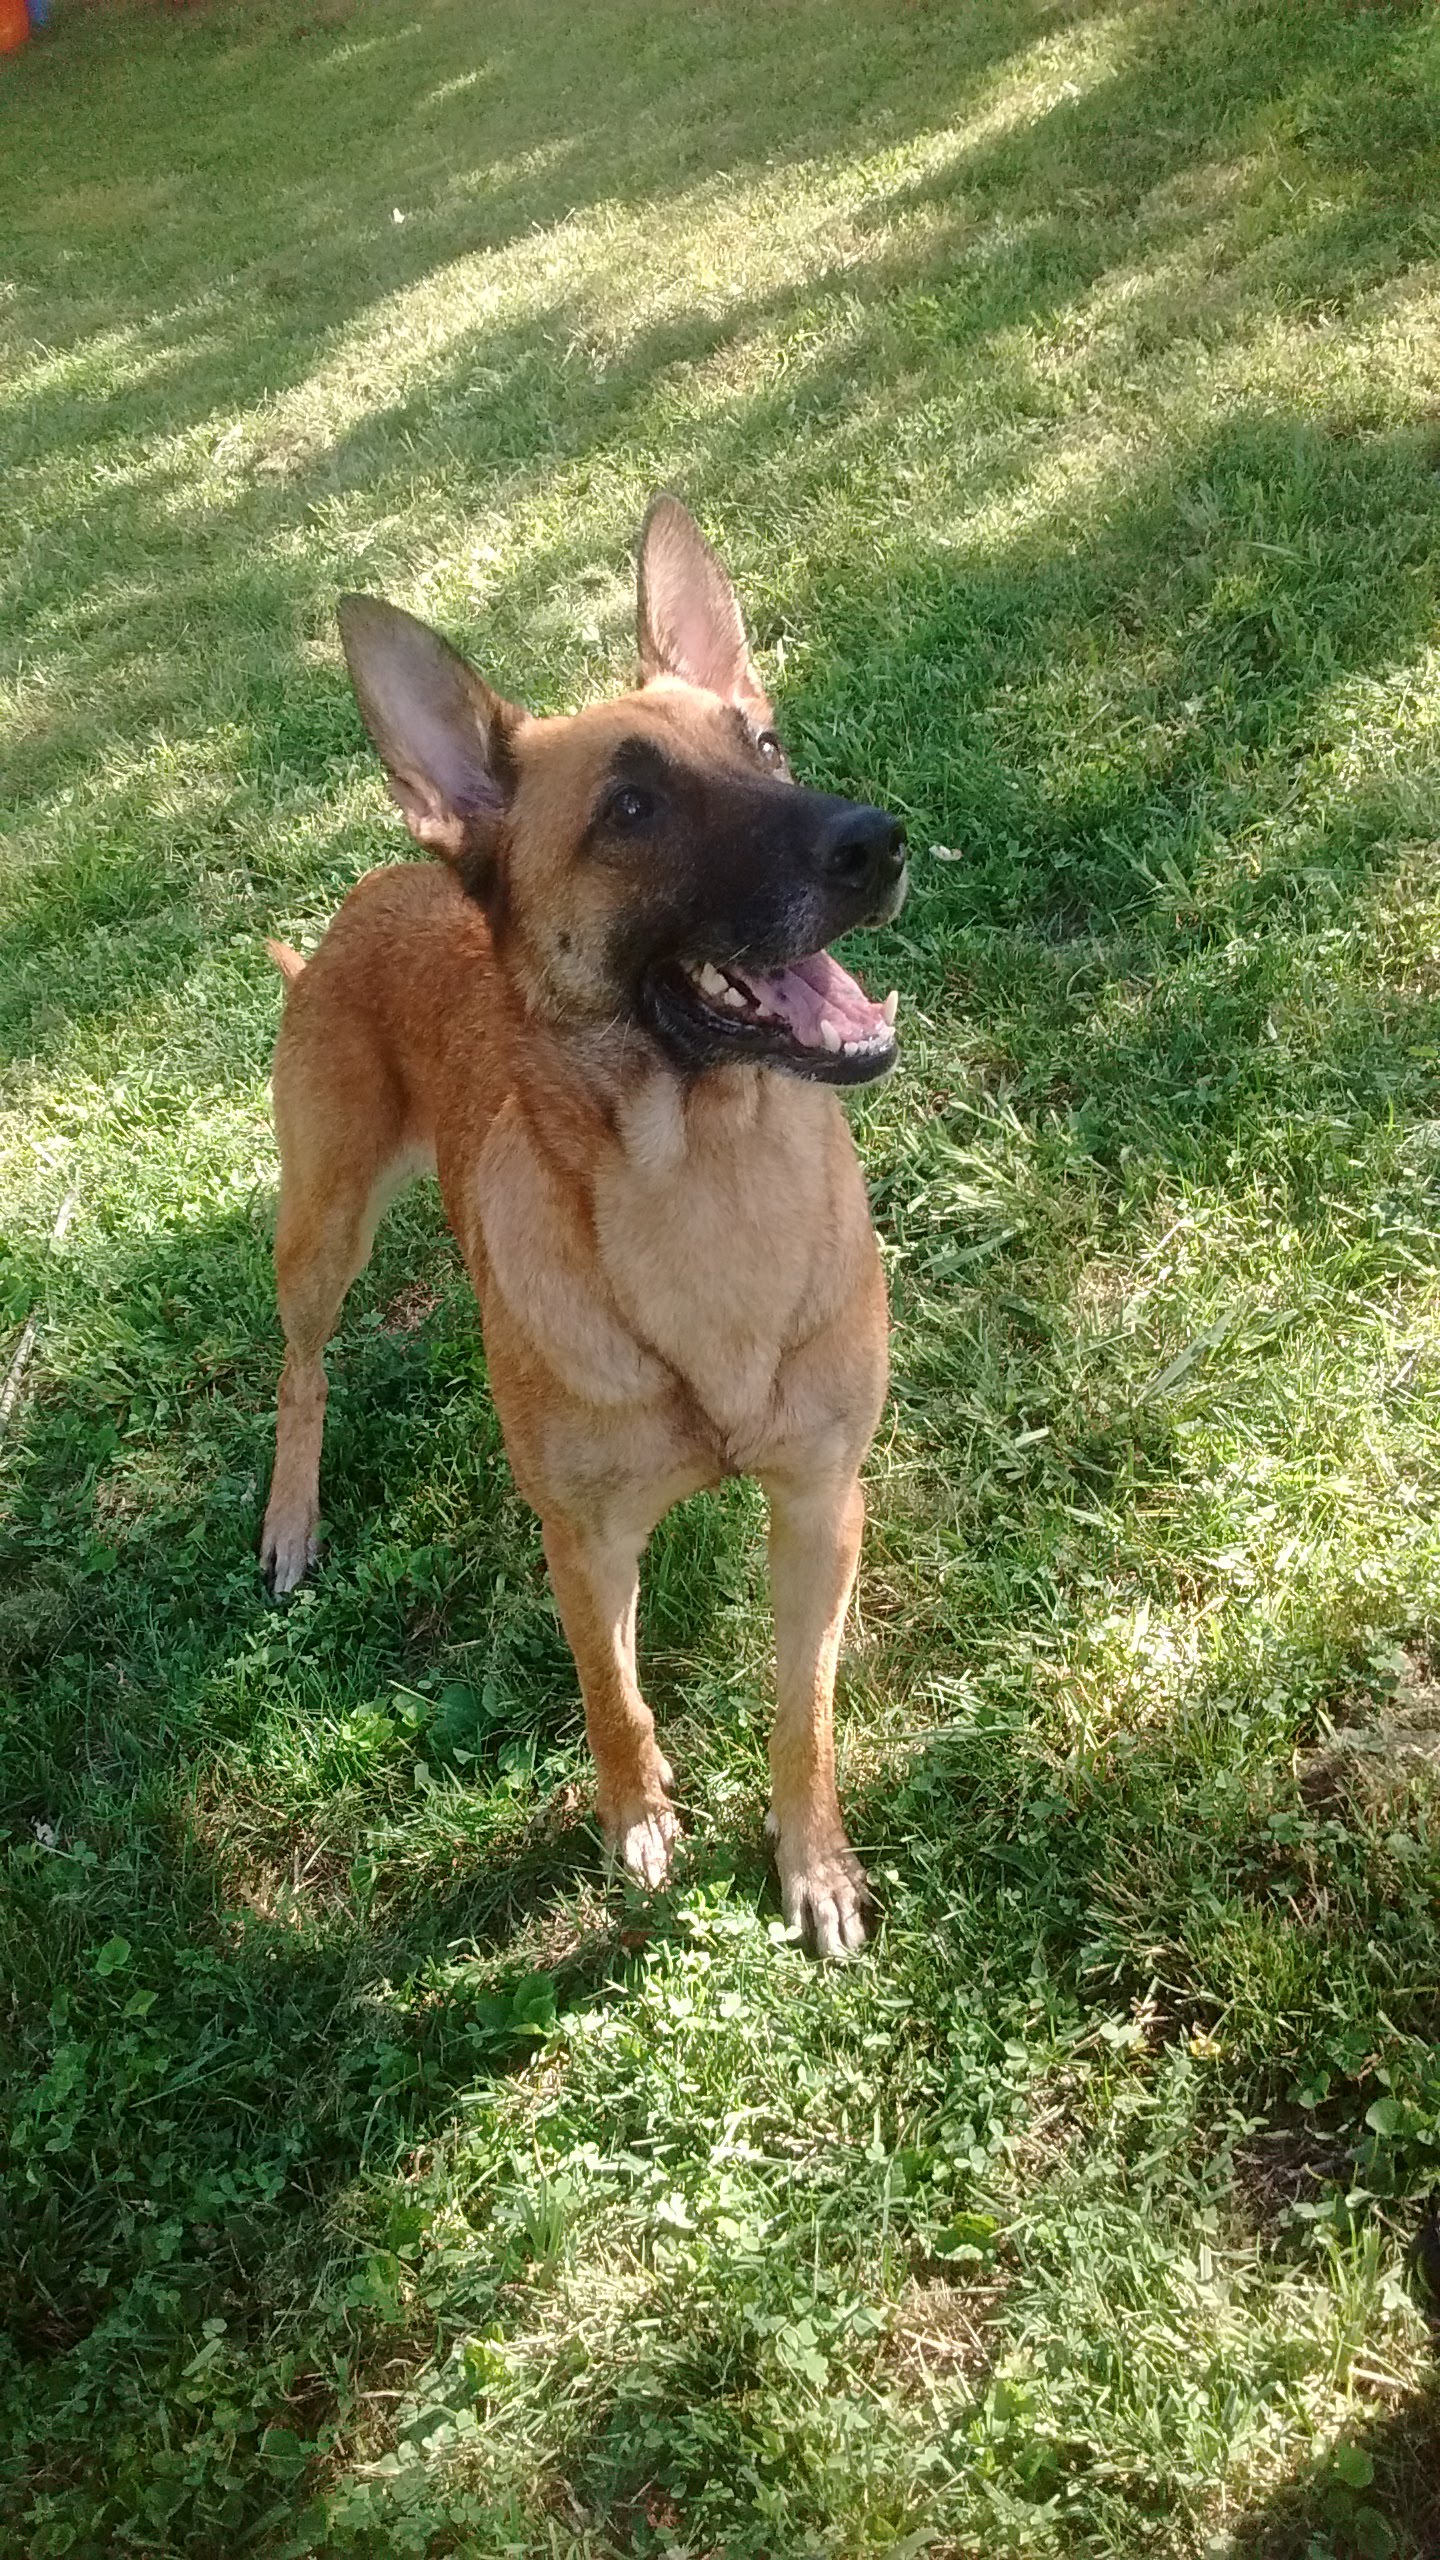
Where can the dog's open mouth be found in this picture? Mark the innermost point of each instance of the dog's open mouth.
(811, 1017)
(815, 1000)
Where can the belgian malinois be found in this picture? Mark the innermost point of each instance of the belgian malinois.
(610, 1023)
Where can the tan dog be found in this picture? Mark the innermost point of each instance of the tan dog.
(610, 1024)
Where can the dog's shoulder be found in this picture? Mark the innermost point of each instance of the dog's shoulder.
(406, 934)
(406, 897)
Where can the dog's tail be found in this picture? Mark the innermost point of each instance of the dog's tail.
(287, 961)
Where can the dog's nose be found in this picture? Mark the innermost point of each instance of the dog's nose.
(863, 847)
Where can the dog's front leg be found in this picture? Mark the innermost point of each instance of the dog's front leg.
(595, 1571)
(815, 1528)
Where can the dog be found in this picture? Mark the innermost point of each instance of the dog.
(608, 1020)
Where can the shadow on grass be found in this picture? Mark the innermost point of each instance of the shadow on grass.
(506, 409)
(1091, 793)
(330, 168)
(248, 1982)
(1375, 2497)
(277, 1983)
(188, 1759)
(1106, 705)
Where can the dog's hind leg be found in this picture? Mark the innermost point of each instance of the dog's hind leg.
(343, 1155)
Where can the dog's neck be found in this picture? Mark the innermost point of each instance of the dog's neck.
(663, 1120)
(591, 1095)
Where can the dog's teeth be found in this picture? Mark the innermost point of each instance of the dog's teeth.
(891, 1006)
(734, 999)
(710, 979)
(829, 1036)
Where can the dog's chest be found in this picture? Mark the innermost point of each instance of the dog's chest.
(698, 1251)
(716, 1226)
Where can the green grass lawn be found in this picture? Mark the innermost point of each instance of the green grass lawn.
(1063, 385)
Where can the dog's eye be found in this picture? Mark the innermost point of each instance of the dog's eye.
(629, 807)
(770, 747)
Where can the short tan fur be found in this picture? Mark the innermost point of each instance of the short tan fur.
(672, 1251)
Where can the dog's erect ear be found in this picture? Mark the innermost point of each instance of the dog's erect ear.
(688, 620)
(444, 737)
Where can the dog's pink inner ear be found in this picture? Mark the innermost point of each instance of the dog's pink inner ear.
(689, 621)
(442, 735)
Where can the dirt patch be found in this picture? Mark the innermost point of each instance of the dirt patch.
(1378, 1760)
(1053, 2128)
(1286, 2166)
(290, 1883)
(410, 1307)
(943, 2332)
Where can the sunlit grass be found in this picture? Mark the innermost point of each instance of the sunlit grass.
(1062, 385)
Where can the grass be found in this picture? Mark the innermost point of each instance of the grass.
(1063, 384)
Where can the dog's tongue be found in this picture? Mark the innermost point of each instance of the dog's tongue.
(813, 992)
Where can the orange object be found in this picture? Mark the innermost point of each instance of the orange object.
(14, 25)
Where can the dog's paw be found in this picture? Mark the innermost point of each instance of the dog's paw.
(288, 1549)
(646, 1843)
(640, 1832)
(825, 1895)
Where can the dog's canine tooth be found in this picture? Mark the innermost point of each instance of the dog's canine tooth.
(891, 1006)
(829, 1036)
(711, 980)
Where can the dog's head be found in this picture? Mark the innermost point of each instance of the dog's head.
(648, 863)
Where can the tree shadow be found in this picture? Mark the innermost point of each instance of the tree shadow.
(1223, 545)
(358, 158)
(1214, 539)
(1101, 700)
(1377, 2492)
(248, 1984)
